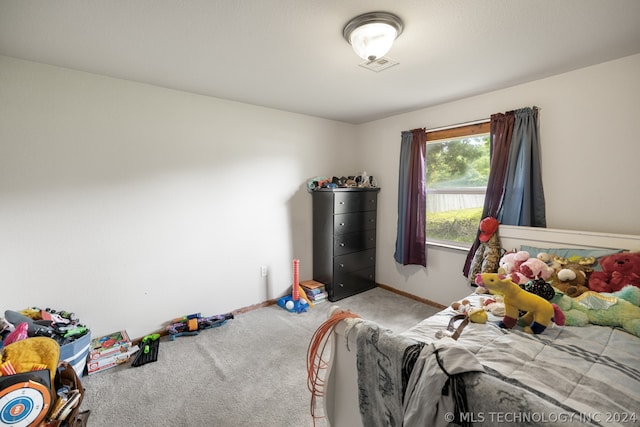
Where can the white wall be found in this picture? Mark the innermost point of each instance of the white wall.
(590, 159)
(131, 204)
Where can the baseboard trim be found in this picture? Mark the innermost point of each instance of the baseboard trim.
(255, 306)
(275, 301)
(412, 296)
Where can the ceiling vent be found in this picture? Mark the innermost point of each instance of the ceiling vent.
(379, 64)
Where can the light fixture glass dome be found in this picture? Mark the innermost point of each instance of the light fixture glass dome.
(372, 34)
(372, 41)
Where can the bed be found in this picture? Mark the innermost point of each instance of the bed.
(587, 375)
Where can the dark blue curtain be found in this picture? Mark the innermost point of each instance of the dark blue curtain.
(514, 192)
(523, 202)
(412, 211)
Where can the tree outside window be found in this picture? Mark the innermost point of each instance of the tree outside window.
(457, 172)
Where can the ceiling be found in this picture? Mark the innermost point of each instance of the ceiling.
(290, 54)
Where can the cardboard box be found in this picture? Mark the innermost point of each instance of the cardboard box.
(104, 363)
(109, 345)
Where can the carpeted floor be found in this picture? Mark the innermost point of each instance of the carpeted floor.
(249, 372)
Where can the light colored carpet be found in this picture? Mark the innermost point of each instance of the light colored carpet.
(249, 372)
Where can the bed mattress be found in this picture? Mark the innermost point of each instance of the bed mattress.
(569, 375)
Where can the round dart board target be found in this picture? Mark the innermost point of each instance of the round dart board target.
(23, 402)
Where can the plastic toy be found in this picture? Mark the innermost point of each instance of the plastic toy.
(297, 302)
(288, 303)
(150, 345)
(195, 322)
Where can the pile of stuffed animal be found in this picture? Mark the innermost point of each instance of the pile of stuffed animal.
(576, 275)
(535, 291)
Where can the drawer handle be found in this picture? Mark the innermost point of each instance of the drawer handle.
(372, 220)
(341, 265)
(341, 203)
(341, 224)
(342, 245)
(341, 285)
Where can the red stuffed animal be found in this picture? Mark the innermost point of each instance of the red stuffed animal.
(618, 270)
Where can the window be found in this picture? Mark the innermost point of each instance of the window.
(457, 172)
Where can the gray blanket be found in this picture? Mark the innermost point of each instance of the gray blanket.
(566, 376)
(384, 363)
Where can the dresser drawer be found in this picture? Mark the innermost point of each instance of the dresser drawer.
(354, 261)
(348, 223)
(353, 282)
(354, 242)
(346, 202)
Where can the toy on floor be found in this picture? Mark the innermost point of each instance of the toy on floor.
(28, 371)
(149, 348)
(288, 303)
(62, 326)
(18, 334)
(298, 301)
(539, 312)
(195, 322)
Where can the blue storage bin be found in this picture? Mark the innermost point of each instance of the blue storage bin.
(75, 353)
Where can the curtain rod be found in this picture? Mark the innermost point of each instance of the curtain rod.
(475, 122)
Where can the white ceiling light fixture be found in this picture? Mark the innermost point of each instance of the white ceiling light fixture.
(372, 34)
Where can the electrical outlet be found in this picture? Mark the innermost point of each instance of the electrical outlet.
(263, 271)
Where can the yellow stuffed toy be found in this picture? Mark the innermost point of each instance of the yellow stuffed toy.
(539, 312)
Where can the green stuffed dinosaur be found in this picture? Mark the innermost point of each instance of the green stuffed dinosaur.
(618, 309)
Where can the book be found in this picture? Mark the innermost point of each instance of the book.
(316, 294)
(311, 287)
(314, 291)
(318, 297)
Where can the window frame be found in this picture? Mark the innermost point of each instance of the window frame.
(480, 127)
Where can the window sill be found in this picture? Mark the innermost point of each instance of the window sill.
(449, 245)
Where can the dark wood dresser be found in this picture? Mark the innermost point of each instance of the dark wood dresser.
(344, 240)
